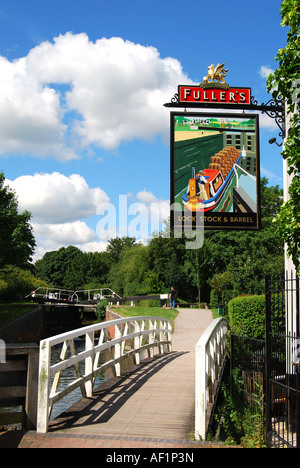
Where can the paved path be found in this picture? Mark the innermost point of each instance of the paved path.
(151, 405)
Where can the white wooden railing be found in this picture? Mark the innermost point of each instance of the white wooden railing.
(210, 357)
(119, 339)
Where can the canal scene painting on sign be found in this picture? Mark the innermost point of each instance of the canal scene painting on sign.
(215, 170)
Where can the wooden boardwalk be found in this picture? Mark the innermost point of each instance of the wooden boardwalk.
(153, 403)
(156, 398)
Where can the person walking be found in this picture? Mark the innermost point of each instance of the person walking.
(172, 296)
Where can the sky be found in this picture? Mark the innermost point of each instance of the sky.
(84, 134)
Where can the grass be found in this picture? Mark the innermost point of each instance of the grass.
(10, 311)
(128, 311)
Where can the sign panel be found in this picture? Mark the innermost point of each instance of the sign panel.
(215, 178)
(214, 95)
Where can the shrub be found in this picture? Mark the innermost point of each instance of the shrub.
(101, 309)
(247, 316)
(16, 283)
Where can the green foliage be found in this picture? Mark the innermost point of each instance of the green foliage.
(16, 238)
(285, 83)
(101, 309)
(70, 268)
(241, 425)
(247, 316)
(16, 283)
(237, 266)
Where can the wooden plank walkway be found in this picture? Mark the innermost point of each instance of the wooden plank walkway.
(150, 405)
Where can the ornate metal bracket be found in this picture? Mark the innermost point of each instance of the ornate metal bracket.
(274, 109)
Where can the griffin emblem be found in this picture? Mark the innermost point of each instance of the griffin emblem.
(215, 73)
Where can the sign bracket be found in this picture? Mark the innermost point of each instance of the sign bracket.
(274, 108)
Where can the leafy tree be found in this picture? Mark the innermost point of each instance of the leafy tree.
(197, 267)
(249, 256)
(285, 83)
(129, 270)
(17, 241)
(54, 265)
(116, 246)
(16, 283)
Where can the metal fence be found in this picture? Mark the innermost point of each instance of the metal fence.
(282, 362)
(248, 356)
(270, 368)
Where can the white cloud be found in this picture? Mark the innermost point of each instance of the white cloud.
(146, 197)
(55, 198)
(265, 71)
(115, 91)
(30, 115)
(65, 234)
(53, 237)
(59, 204)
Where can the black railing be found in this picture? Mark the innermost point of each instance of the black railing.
(270, 368)
(248, 357)
(282, 362)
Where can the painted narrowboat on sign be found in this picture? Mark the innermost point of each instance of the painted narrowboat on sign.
(207, 188)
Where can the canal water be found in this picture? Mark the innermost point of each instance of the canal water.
(67, 376)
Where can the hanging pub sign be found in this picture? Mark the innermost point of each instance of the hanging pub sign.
(215, 168)
(215, 171)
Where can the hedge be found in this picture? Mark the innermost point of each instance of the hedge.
(247, 316)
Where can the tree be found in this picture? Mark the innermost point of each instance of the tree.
(285, 83)
(116, 246)
(16, 237)
(53, 267)
(249, 256)
(197, 267)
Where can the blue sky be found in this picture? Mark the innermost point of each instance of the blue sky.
(82, 88)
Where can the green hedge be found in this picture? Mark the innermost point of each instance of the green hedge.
(247, 316)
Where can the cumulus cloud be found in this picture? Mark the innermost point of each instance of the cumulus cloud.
(60, 205)
(51, 237)
(113, 90)
(55, 198)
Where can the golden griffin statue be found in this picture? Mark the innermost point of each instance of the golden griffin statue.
(215, 73)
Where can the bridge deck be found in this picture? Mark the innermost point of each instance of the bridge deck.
(156, 398)
(150, 405)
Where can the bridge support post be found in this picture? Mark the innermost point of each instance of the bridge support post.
(44, 387)
(169, 326)
(137, 329)
(118, 349)
(151, 338)
(89, 363)
(161, 338)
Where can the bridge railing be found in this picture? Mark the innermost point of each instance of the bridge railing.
(106, 345)
(209, 362)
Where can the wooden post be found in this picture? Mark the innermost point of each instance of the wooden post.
(32, 388)
(89, 363)
(137, 329)
(118, 335)
(151, 339)
(44, 387)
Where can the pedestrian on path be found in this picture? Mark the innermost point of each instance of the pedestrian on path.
(172, 296)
